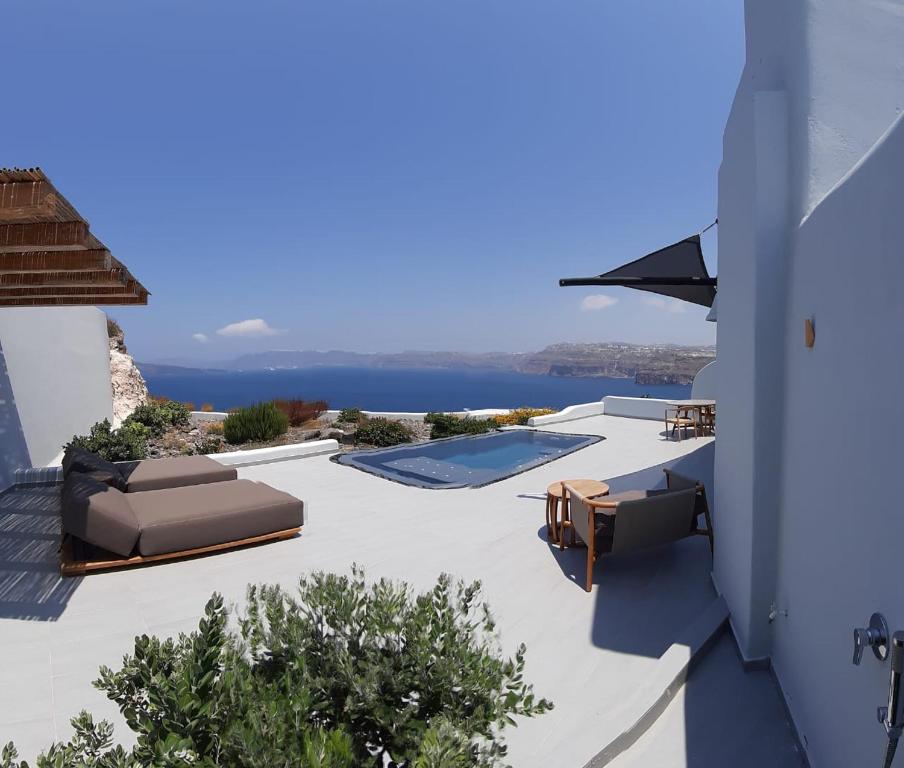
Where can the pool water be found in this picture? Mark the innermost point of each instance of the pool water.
(468, 461)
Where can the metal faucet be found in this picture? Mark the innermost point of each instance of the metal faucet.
(874, 636)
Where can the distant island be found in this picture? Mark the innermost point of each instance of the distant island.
(647, 364)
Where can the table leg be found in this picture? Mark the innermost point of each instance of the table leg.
(552, 523)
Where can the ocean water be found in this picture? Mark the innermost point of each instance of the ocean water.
(378, 389)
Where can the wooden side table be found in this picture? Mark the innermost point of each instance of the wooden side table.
(555, 527)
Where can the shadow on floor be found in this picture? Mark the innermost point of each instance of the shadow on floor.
(644, 599)
(723, 716)
(30, 583)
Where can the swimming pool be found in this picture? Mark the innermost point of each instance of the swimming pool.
(469, 461)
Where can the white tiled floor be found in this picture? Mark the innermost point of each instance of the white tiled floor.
(585, 651)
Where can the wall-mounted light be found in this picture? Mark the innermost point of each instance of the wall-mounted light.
(809, 332)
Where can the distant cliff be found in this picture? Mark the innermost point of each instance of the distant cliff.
(645, 363)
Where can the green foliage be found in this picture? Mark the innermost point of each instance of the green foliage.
(386, 666)
(449, 425)
(520, 416)
(382, 432)
(209, 445)
(341, 675)
(263, 421)
(128, 443)
(301, 411)
(350, 416)
(158, 415)
(113, 329)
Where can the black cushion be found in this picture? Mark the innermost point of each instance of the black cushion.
(79, 460)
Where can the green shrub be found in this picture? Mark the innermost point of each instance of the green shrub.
(449, 425)
(208, 445)
(128, 443)
(340, 675)
(382, 432)
(157, 415)
(113, 328)
(263, 421)
(301, 411)
(350, 415)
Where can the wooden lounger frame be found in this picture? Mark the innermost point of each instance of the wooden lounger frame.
(69, 566)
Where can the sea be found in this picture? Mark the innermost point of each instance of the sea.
(390, 389)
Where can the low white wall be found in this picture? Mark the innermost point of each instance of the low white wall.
(635, 407)
(206, 416)
(276, 453)
(54, 382)
(572, 412)
(483, 413)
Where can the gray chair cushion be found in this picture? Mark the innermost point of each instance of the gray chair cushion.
(79, 460)
(178, 519)
(99, 514)
(678, 482)
(176, 472)
(657, 519)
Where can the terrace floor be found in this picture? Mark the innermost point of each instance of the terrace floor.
(589, 653)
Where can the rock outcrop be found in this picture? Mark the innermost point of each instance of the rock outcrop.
(129, 389)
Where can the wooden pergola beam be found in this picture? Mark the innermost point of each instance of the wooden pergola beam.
(43, 261)
(75, 301)
(64, 278)
(35, 236)
(130, 289)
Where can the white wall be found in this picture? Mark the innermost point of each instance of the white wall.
(56, 381)
(842, 530)
(704, 386)
(806, 505)
(636, 407)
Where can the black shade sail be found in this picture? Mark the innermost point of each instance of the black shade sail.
(677, 270)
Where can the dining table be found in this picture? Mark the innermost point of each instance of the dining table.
(701, 410)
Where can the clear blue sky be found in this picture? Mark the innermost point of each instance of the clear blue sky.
(378, 176)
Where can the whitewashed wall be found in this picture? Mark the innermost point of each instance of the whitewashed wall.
(704, 386)
(54, 382)
(841, 552)
(806, 505)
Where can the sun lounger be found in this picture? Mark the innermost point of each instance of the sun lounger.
(147, 475)
(106, 528)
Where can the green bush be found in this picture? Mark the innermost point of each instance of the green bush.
(341, 675)
(263, 421)
(113, 328)
(209, 445)
(449, 425)
(382, 432)
(158, 415)
(128, 443)
(350, 415)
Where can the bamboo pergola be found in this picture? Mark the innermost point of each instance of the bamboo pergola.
(48, 256)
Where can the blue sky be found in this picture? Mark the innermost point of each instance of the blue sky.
(378, 176)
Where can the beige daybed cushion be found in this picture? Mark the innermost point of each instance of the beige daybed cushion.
(177, 519)
(99, 514)
(176, 472)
